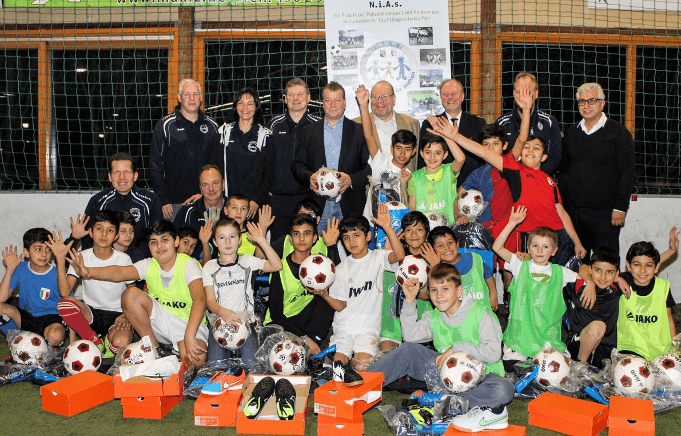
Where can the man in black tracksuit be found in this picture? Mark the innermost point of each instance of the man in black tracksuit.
(285, 191)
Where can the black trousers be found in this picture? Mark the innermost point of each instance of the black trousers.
(594, 228)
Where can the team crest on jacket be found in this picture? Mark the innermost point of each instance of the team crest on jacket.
(540, 126)
(136, 213)
(204, 128)
(550, 180)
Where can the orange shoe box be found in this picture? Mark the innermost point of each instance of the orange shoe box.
(511, 430)
(568, 415)
(330, 426)
(631, 417)
(150, 387)
(268, 422)
(77, 393)
(217, 410)
(148, 407)
(336, 400)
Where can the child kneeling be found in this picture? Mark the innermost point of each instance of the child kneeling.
(459, 324)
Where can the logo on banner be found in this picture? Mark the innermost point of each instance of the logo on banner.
(391, 61)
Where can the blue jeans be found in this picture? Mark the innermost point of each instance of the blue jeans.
(246, 353)
(331, 209)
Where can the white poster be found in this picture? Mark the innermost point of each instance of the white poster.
(636, 5)
(404, 42)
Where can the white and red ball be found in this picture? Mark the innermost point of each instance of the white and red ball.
(554, 368)
(230, 337)
(670, 365)
(138, 352)
(28, 348)
(632, 375)
(288, 357)
(461, 372)
(413, 267)
(81, 356)
(317, 272)
(435, 220)
(329, 183)
(471, 203)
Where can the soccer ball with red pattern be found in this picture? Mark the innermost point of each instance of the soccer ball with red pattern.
(329, 183)
(461, 372)
(471, 203)
(288, 357)
(632, 375)
(230, 337)
(138, 352)
(413, 267)
(317, 272)
(28, 348)
(554, 368)
(670, 365)
(81, 356)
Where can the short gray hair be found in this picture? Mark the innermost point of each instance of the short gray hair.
(185, 81)
(590, 87)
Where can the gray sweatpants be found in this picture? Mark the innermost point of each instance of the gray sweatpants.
(411, 359)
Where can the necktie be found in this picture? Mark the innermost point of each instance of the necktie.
(454, 120)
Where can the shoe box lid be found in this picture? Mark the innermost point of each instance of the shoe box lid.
(150, 387)
(268, 422)
(337, 400)
(77, 393)
(331, 426)
(148, 407)
(631, 417)
(217, 410)
(568, 415)
(511, 430)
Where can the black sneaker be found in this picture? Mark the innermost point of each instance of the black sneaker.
(346, 374)
(261, 393)
(286, 399)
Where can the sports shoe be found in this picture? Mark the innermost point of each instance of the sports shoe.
(261, 393)
(223, 381)
(346, 374)
(481, 418)
(286, 399)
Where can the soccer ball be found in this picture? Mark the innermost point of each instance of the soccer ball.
(137, 353)
(413, 266)
(288, 357)
(435, 220)
(81, 356)
(460, 372)
(554, 368)
(317, 272)
(334, 50)
(471, 203)
(670, 365)
(230, 337)
(632, 375)
(329, 183)
(28, 348)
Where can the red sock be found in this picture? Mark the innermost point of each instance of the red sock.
(71, 314)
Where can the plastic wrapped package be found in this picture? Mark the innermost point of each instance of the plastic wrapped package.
(385, 190)
(28, 348)
(434, 375)
(397, 211)
(204, 374)
(424, 418)
(15, 372)
(281, 353)
(573, 264)
(473, 235)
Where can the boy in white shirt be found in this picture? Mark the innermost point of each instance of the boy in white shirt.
(357, 294)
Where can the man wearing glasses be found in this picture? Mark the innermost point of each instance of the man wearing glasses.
(285, 191)
(597, 172)
(385, 121)
(452, 96)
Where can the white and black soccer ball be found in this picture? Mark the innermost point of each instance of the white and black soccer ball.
(317, 272)
(288, 357)
(471, 203)
(461, 372)
(230, 337)
(329, 183)
(138, 352)
(28, 348)
(413, 267)
(81, 356)
(670, 365)
(554, 368)
(632, 375)
(335, 50)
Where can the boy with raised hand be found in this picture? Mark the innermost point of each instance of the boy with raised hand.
(645, 325)
(36, 278)
(529, 185)
(99, 314)
(357, 293)
(292, 306)
(537, 306)
(457, 324)
(173, 310)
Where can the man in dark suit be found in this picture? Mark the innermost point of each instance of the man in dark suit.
(452, 95)
(334, 142)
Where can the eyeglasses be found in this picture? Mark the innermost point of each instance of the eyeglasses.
(381, 97)
(591, 101)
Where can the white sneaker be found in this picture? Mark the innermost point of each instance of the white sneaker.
(481, 418)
